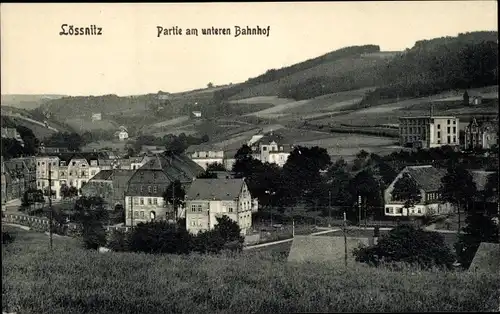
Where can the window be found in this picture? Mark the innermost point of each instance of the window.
(264, 148)
(454, 129)
(141, 201)
(155, 201)
(454, 139)
(149, 188)
(449, 139)
(38, 183)
(142, 214)
(43, 163)
(155, 189)
(74, 163)
(92, 172)
(448, 129)
(439, 126)
(38, 163)
(136, 214)
(149, 201)
(400, 210)
(199, 208)
(230, 209)
(193, 208)
(52, 183)
(439, 134)
(141, 189)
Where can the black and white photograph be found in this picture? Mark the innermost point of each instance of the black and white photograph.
(250, 157)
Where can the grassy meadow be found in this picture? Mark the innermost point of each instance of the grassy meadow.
(73, 280)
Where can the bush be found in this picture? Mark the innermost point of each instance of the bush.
(118, 241)
(160, 237)
(408, 244)
(94, 236)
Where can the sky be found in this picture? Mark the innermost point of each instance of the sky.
(129, 58)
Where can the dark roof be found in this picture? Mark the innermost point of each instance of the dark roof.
(218, 189)
(102, 175)
(427, 177)
(202, 148)
(271, 137)
(148, 177)
(177, 167)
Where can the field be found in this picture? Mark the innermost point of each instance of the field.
(72, 280)
(114, 145)
(81, 125)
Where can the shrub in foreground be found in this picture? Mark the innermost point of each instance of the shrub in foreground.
(408, 244)
(7, 237)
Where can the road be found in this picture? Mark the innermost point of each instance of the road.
(256, 246)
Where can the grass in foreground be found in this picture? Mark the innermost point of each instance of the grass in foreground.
(72, 280)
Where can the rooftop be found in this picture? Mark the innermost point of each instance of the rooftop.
(218, 189)
(427, 117)
(427, 177)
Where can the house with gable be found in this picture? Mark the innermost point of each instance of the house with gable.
(208, 199)
(481, 134)
(428, 180)
(144, 196)
(270, 148)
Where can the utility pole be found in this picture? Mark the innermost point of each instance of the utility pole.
(345, 239)
(173, 200)
(293, 228)
(131, 212)
(50, 204)
(329, 208)
(359, 210)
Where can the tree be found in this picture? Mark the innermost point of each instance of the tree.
(210, 85)
(226, 234)
(408, 244)
(339, 179)
(118, 241)
(479, 228)
(244, 164)
(491, 188)
(31, 197)
(31, 142)
(457, 188)
(92, 215)
(364, 185)
(175, 195)
(406, 190)
(302, 172)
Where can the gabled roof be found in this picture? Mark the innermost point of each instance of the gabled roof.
(427, 177)
(203, 148)
(102, 175)
(215, 189)
(269, 138)
(176, 167)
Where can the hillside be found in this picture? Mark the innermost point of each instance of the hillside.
(12, 117)
(83, 281)
(27, 102)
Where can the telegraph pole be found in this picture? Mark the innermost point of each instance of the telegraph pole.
(50, 204)
(359, 210)
(345, 239)
(173, 201)
(131, 212)
(329, 208)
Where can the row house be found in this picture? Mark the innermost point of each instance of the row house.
(131, 163)
(429, 131)
(144, 196)
(480, 134)
(208, 199)
(428, 181)
(18, 175)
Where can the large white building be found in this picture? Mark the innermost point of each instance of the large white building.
(205, 154)
(429, 131)
(207, 199)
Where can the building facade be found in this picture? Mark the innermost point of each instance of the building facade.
(205, 155)
(18, 175)
(480, 134)
(208, 199)
(429, 131)
(144, 196)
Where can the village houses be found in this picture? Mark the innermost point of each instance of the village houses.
(270, 148)
(207, 199)
(18, 175)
